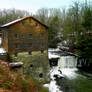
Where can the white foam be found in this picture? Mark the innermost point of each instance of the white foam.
(51, 55)
(51, 49)
(70, 73)
(52, 86)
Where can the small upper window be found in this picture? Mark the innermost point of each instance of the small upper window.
(16, 36)
(36, 25)
(23, 24)
(30, 45)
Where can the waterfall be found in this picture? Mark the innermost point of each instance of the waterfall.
(67, 62)
(66, 67)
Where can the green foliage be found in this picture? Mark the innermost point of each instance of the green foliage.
(8, 15)
(71, 25)
(15, 82)
(7, 84)
(9, 58)
(77, 29)
(87, 18)
(84, 48)
(24, 85)
(84, 41)
(53, 31)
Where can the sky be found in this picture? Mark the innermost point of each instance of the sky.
(33, 5)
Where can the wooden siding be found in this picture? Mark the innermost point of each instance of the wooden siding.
(23, 41)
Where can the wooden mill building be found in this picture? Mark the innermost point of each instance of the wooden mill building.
(24, 35)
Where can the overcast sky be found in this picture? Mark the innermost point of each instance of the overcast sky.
(33, 5)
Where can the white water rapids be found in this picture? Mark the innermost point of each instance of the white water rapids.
(67, 64)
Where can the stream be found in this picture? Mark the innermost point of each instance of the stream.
(72, 79)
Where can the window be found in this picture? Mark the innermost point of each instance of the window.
(42, 44)
(23, 24)
(16, 46)
(30, 45)
(5, 35)
(22, 36)
(36, 25)
(16, 36)
(30, 36)
(42, 35)
(41, 75)
(31, 65)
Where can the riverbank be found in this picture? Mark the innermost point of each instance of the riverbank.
(12, 81)
(81, 82)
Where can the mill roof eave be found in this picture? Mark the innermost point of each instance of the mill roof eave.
(19, 20)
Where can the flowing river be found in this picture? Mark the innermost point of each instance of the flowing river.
(74, 79)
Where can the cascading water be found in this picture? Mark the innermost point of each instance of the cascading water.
(67, 64)
(73, 81)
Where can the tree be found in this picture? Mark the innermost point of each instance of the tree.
(84, 43)
(71, 24)
(42, 15)
(11, 14)
(53, 32)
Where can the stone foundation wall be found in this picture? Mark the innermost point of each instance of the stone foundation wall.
(35, 65)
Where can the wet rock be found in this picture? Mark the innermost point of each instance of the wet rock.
(58, 76)
(60, 71)
(15, 65)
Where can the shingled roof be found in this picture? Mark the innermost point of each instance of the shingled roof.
(19, 20)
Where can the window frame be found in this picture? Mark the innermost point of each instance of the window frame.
(16, 46)
(23, 24)
(36, 25)
(42, 36)
(30, 36)
(30, 45)
(16, 36)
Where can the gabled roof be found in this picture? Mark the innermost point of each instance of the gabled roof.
(19, 20)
